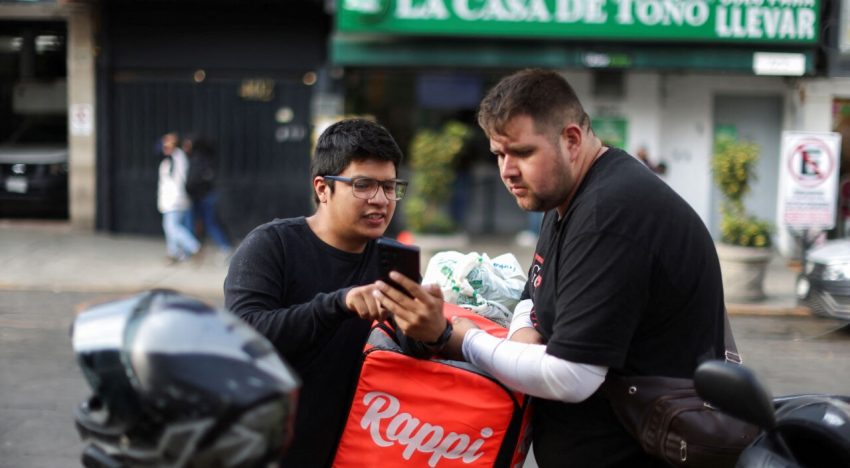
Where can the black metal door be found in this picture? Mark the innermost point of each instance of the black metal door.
(260, 129)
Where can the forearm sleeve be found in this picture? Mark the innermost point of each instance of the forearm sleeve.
(528, 369)
(522, 316)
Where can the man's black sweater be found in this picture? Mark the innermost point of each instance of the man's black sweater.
(291, 286)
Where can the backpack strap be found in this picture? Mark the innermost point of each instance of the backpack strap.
(731, 352)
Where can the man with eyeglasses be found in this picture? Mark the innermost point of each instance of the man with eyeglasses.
(306, 283)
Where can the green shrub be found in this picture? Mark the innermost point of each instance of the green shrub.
(745, 231)
(432, 155)
(733, 169)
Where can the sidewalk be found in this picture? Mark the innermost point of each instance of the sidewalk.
(779, 287)
(53, 256)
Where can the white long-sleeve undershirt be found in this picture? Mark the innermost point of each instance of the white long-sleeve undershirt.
(528, 369)
(522, 316)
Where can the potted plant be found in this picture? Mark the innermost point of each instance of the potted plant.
(744, 247)
(432, 154)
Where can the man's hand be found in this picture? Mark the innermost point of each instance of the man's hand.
(361, 301)
(419, 317)
(527, 335)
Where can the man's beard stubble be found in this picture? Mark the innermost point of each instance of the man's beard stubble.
(535, 202)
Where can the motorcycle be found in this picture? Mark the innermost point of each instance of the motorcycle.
(810, 430)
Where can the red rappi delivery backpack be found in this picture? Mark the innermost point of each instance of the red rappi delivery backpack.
(430, 412)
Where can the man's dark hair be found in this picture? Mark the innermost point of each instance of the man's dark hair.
(352, 140)
(543, 95)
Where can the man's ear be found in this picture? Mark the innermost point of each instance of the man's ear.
(572, 137)
(320, 186)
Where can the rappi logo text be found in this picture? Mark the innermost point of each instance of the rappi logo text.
(414, 435)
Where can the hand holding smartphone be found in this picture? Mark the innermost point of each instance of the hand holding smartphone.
(395, 256)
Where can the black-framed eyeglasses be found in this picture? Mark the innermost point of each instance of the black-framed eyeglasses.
(366, 187)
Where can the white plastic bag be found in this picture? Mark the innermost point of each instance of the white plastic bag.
(490, 288)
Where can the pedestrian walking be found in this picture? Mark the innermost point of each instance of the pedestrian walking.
(203, 218)
(173, 202)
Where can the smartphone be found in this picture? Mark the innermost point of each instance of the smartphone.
(395, 256)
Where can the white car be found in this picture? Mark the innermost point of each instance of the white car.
(824, 285)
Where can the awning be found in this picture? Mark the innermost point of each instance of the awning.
(376, 51)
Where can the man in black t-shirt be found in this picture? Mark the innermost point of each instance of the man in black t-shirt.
(625, 276)
(305, 283)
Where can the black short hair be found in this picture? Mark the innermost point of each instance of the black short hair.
(352, 140)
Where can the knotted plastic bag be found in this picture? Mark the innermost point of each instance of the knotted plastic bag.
(490, 288)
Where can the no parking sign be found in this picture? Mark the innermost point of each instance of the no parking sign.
(809, 179)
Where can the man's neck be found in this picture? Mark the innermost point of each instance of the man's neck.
(322, 229)
(593, 152)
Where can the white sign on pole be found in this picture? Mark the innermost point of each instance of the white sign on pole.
(809, 177)
(81, 119)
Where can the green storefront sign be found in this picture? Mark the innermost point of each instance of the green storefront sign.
(749, 21)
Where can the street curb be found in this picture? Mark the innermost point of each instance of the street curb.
(768, 310)
(200, 293)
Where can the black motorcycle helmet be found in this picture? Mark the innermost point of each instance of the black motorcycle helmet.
(178, 383)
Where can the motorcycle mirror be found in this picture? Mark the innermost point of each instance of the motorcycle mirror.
(735, 390)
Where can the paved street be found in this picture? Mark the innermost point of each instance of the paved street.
(41, 384)
(39, 380)
(796, 354)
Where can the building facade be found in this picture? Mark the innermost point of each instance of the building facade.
(261, 77)
(240, 74)
(662, 76)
